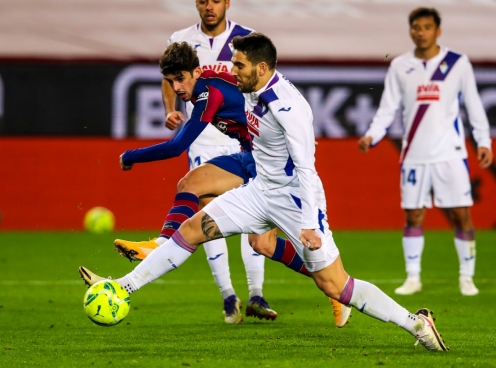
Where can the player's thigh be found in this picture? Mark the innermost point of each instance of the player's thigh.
(199, 154)
(416, 185)
(240, 210)
(451, 183)
(285, 212)
(209, 180)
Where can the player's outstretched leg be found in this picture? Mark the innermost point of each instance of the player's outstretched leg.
(372, 301)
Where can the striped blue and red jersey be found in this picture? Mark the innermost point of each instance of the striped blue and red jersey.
(217, 101)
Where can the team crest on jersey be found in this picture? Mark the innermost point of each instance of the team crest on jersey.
(221, 126)
(444, 67)
(220, 67)
(202, 96)
(252, 123)
(428, 92)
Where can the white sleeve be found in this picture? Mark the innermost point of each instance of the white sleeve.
(476, 113)
(390, 102)
(297, 124)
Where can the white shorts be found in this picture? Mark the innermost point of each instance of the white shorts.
(249, 210)
(199, 154)
(449, 182)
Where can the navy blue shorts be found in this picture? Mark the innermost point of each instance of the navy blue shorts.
(240, 164)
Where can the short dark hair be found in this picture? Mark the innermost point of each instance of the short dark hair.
(257, 47)
(179, 57)
(424, 12)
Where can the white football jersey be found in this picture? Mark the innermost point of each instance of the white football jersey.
(214, 53)
(430, 92)
(281, 123)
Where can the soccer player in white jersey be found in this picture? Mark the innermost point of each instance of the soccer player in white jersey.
(285, 194)
(428, 83)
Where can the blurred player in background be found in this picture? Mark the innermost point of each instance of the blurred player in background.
(285, 193)
(428, 83)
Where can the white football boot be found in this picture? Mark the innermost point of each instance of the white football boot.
(467, 286)
(426, 332)
(411, 286)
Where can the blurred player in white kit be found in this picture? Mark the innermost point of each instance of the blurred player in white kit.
(428, 83)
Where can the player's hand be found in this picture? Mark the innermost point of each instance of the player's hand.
(364, 143)
(485, 157)
(310, 239)
(124, 167)
(173, 119)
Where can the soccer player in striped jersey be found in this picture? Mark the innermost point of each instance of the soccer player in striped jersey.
(285, 194)
(428, 83)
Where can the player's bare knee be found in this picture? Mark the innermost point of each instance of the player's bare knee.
(415, 218)
(263, 245)
(461, 218)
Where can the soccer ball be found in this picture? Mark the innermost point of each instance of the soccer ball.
(99, 220)
(106, 303)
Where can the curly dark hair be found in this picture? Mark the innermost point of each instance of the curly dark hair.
(257, 47)
(424, 12)
(179, 57)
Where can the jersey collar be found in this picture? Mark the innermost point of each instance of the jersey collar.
(273, 80)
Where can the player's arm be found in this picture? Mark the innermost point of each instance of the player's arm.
(384, 117)
(203, 113)
(297, 124)
(173, 117)
(165, 150)
(477, 115)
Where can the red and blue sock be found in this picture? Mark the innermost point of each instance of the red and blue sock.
(184, 207)
(286, 254)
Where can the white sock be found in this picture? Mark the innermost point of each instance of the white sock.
(217, 257)
(372, 301)
(160, 240)
(412, 250)
(162, 260)
(254, 266)
(466, 256)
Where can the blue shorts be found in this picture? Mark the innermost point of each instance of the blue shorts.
(240, 164)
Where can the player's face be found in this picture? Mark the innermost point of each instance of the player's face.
(424, 32)
(245, 72)
(212, 12)
(183, 83)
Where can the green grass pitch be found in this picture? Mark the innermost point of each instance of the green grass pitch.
(178, 321)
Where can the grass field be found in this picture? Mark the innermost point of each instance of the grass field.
(178, 321)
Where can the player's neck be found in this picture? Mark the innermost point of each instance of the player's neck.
(426, 54)
(263, 80)
(214, 32)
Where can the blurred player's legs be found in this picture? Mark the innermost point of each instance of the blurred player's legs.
(450, 183)
(413, 245)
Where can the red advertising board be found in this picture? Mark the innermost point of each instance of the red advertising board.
(50, 183)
